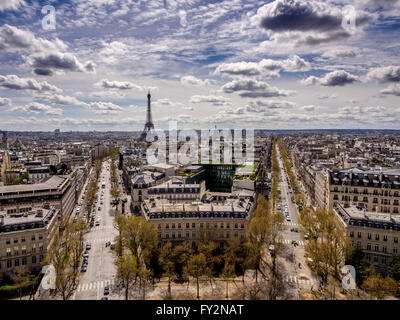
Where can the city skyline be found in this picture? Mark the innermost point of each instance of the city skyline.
(231, 64)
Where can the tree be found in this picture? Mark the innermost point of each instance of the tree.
(326, 243)
(394, 269)
(227, 274)
(196, 268)
(166, 260)
(379, 287)
(363, 267)
(63, 254)
(127, 270)
(21, 279)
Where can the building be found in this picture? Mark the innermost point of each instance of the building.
(4, 140)
(376, 190)
(183, 212)
(37, 174)
(58, 191)
(376, 233)
(140, 184)
(26, 237)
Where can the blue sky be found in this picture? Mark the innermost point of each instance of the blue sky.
(284, 64)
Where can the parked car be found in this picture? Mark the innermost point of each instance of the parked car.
(88, 246)
(97, 223)
(83, 269)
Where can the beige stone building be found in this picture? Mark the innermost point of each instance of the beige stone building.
(377, 234)
(189, 213)
(58, 191)
(26, 237)
(376, 190)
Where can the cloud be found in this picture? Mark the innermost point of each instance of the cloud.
(340, 53)
(120, 85)
(104, 107)
(5, 102)
(11, 4)
(254, 89)
(393, 89)
(191, 80)
(36, 108)
(264, 105)
(61, 100)
(17, 83)
(307, 22)
(214, 100)
(45, 63)
(334, 78)
(309, 108)
(12, 39)
(267, 67)
(385, 74)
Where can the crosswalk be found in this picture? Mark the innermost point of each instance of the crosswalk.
(298, 280)
(101, 228)
(94, 285)
(100, 240)
(291, 224)
(289, 241)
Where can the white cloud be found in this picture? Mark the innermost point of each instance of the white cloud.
(334, 78)
(16, 83)
(191, 80)
(121, 85)
(5, 102)
(214, 100)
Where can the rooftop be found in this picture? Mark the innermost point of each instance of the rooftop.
(49, 183)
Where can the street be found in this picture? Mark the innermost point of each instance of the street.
(300, 273)
(101, 271)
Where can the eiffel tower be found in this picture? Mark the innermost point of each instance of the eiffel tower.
(149, 120)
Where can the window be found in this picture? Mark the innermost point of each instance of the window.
(369, 236)
(15, 240)
(187, 225)
(377, 237)
(242, 226)
(369, 246)
(376, 247)
(351, 234)
(40, 236)
(33, 248)
(167, 235)
(9, 264)
(24, 261)
(23, 239)
(384, 238)
(33, 238)
(228, 235)
(375, 259)
(159, 235)
(359, 235)
(384, 249)
(16, 262)
(187, 234)
(167, 226)
(193, 225)
(395, 250)
(368, 256)
(179, 226)
(236, 225)
(41, 258)
(359, 244)
(8, 241)
(384, 260)
(23, 249)
(193, 234)
(159, 226)
(201, 225)
(8, 252)
(395, 239)
(41, 246)
(173, 226)
(222, 225)
(15, 251)
(34, 260)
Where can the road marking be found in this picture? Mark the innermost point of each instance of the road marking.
(295, 279)
(94, 285)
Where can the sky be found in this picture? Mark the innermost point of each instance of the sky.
(87, 65)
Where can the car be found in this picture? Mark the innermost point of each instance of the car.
(88, 246)
(83, 269)
(104, 298)
(85, 254)
(106, 290)
(99, 208)
(97, 223)
(288, 219)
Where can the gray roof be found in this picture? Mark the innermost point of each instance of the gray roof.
(52, 182)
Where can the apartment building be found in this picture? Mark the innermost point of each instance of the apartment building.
(377, 234)
(179, 214)
(58, 191)
(376, 190)
(25, 238)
